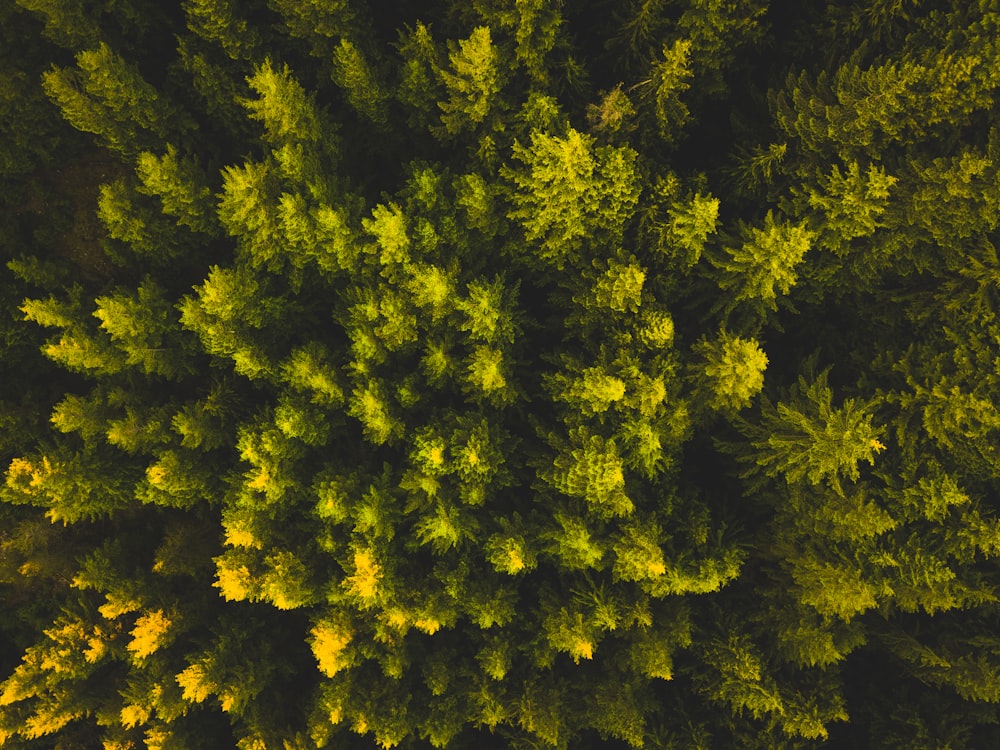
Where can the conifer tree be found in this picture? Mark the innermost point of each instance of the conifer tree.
(441, 374)
(567, 190)
(108, 97)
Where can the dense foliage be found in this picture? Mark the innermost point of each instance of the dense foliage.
(500, 373)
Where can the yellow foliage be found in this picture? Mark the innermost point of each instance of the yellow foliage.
(516, 563)
(97, 647)
(117, 605)
(48, 720)
(328, 645)
(27, 477)
(67, 639)
(233, 582)
(486, 369)
(133, 715)
(656, 568)
(364, 582)
(158, 738)
(398, 619)
(29, 569)
(148, 633)
(429, 625)
(156, 475)
(194, 680)
(581, 648)
(237, 535)
(260, 481)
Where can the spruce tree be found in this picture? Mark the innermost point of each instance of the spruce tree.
(502, 373)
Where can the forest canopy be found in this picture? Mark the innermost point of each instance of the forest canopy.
(501, 373)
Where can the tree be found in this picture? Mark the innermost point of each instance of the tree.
(408, 381)
(734, 370)
(360, 82)
(473, 83)
(216, 21)
(764, 266)
(108, 97)
(806, 438)
(145, 328)
(568, 190)
(667, 81)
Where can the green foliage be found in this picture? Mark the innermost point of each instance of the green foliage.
(806, 438)
(405, 377)
(733, 369)
(419, 85)
(888, 102)
(740, 678)
(620, 287)
(718, 29)
(181, 187)
(79, 347)
(568, 189)
(217, 21)
(591, 468)
(29, 134)
(282, 106)
(360, 82)
(690, 224)
(68, 24)
(145, 328)
(488, 312)
(318, 22)
(473, 82)
(107, 96)
(614, 114)
(225, 315)
(533, 26)
(668, 80)
(766, 264)
(852, 204)
(71, 487)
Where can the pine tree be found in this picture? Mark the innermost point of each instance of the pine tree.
(225, 315)
(108, 97)
(391, 405)
(145, 328)
(216, 21)
(532, 26)
(182, 188)
(806, 438)
(473, 82)
(568, 190)
(765, 265)
(360, 82)
(80, 347)
(667, 82)
(734, 370)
